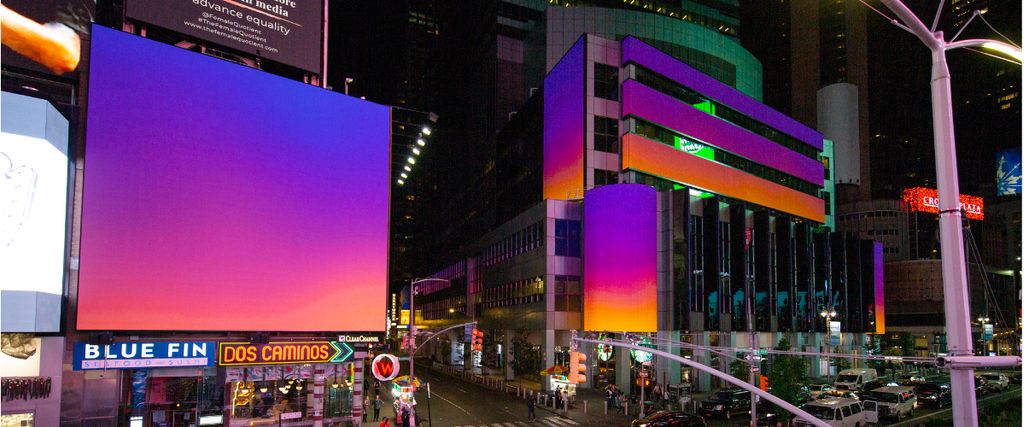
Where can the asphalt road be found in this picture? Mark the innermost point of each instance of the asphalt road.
(454, 402)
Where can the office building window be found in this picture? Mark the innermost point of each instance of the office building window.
(606, 134)
(567, 237)
(603, 177)
(567, 293)
(606, 82)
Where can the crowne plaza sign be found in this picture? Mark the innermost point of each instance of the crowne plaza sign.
(921, 199)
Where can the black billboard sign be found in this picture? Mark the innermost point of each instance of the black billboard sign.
(286, 31)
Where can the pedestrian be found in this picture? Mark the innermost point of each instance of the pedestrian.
(376, 388)
(531, 409)
(376, 407)
(405, 418)
(622, 403)
(385, 423)
(366, 407)
(565, 398)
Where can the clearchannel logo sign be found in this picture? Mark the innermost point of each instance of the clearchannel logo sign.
(142, 355)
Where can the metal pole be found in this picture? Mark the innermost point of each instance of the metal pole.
(753, 349)
(951, 240)
(412, 349)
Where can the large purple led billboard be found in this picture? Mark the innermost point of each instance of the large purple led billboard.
(620, 264)
(219, 197)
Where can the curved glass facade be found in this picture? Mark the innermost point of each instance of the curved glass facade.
(710, 52)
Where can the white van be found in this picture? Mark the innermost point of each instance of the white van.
(854, 379)
(889, 402)
(836, 412)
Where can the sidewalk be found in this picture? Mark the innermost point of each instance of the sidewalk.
(591, 399)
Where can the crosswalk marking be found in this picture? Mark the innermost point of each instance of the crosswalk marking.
(542, 422)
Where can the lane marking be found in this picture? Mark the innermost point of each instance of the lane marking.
(453, 404)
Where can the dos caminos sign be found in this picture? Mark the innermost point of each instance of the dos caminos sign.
(140, 355)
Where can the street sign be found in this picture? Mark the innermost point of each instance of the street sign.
(276, 353)
(643, 374)
(385, 367)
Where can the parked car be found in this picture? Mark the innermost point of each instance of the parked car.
(996, 382)
(911, 379)
(871, 385)
(816, 389)
(980, 386)
(854, 379)
(835, 412)
(670, 419)
(889, 402)
(834, 394)
(1015, 377)
(726, 403)
(933, 395)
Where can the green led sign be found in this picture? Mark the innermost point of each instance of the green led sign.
(695, 148)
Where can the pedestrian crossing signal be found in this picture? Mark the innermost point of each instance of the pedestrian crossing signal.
(478, 340)
(577, 367)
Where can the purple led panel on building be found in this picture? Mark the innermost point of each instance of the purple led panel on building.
(879, 289)
(634, 50)
(646, 103)
(564, 125)
(219, 197)
(620, 258)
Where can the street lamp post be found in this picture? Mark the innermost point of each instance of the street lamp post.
(828, 315)
(412, 339)
(951, 239)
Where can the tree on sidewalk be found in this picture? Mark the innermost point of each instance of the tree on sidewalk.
(526, 359)
(788, 375)
(740, 369)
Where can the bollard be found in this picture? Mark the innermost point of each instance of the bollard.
(584, 406)
(606, 408)
(626, 406)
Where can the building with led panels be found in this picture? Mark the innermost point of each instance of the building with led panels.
(666, 202)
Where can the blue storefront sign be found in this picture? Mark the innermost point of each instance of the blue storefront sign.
(142, 355)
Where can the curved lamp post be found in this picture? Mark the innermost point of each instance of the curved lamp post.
(954, 276)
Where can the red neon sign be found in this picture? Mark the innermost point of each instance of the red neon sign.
(922, 199)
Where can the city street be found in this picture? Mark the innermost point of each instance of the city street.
(455, 402)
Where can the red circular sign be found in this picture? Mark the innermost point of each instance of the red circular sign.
(385, 367)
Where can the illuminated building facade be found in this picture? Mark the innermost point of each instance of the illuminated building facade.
(668, 202)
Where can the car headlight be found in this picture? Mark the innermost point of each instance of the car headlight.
(719, 407)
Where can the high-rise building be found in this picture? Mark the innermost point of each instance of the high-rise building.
(693, 192)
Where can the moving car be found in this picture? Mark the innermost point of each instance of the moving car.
(854, 379)
(670, 419)
(933, 395)
(911, 379)
(726, 403)
(817, 389)
(889, 402)
(996, 382)
(835, 412)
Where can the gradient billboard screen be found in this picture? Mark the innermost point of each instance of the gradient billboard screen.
(620, 262)
(219, 197)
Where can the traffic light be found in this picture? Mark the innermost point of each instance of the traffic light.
(478, 340)
(577, 367)
(764, 383)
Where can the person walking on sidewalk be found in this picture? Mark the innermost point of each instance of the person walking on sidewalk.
(366, 407)
(385, 423)
(376, 407)
(531, 409)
